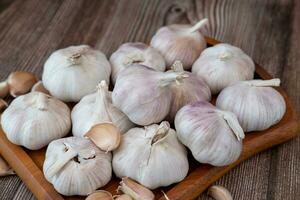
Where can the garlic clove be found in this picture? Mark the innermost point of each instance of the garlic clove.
(100, 195)
(4, 89)
(39, 87)
(122, 197)
(219, 193)
(105, 135)
(3, 105)
(135, 190)
(20, 82)
(5, 170)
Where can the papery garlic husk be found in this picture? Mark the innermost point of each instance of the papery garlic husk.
(39, 87)
(98, 108)
(152, 155)
(100, 195)
(135, 190)
(4, 89)
(213, 136)
(20, 82)
(35, 119)
(180, 42)
(189, 90)
(75, 166)
(144, 94)
(73, 72)
(222, 65)
(137, 52)
(5, 169)
(256, 104)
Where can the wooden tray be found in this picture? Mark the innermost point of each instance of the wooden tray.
(28, 164)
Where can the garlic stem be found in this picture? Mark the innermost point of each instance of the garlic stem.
(170, 77)
(263, 83)
(161, 132)
(233, 123)
(74, 58)
(135, 57)
(62, 160)
(41, 101)
(177, 66)
(102, 102)
(225, 55)
(198, 25)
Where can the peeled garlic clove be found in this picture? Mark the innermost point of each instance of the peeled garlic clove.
(20, 82)
(143, 94)
(35, 119)
(219, 193)
(3, 104)
(222, 65)
(256, 104)
(180, 42)
(135, 190)
(5, 170)
(39, 87)
(152, 155)
(123, 197)
(137, 52)
(189, 90)
(100, 195)
(214, 136)
(97, 108)
(106, 136)
(75, 166)
(73, 72)
(4, 89)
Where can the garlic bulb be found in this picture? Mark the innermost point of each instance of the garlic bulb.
(137, 52)
(73, 72)
(180, 42)
(98, 108)
(143, 94)
(222, 65)
(75, 166)
(152, 156)
(189, 90)
(35, 119)
(256, 104)
(213, 136)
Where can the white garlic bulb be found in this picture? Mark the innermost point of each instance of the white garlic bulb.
(152, 155)
(97, 108)
(222, 65)
(35, 119)
(75, 166)
(189, 90)
(180, 42)
(73, 72)
(213, 136)
(137, 52)
(256, 104)
(144, 94)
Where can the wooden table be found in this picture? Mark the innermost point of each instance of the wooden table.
(269, 31)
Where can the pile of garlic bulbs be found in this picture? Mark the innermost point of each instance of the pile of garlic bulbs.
(127, 131)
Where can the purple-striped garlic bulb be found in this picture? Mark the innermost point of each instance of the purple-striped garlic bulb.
(180, 42)
(255, 103)
(214, 136)
(222, 65)
(130, 53)
(144, 94)
(186, 91)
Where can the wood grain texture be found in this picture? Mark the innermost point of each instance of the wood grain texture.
(268, 30)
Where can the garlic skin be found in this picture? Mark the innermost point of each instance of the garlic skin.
(222, 65)
(213, 136)
(35, 119)
(98, 108)
(180, 42)
(75, 166)
(152, 155)
(144, 94)
(73, 72)
(4, 89)
(189, 90)
(256, 104)
(137, 52)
